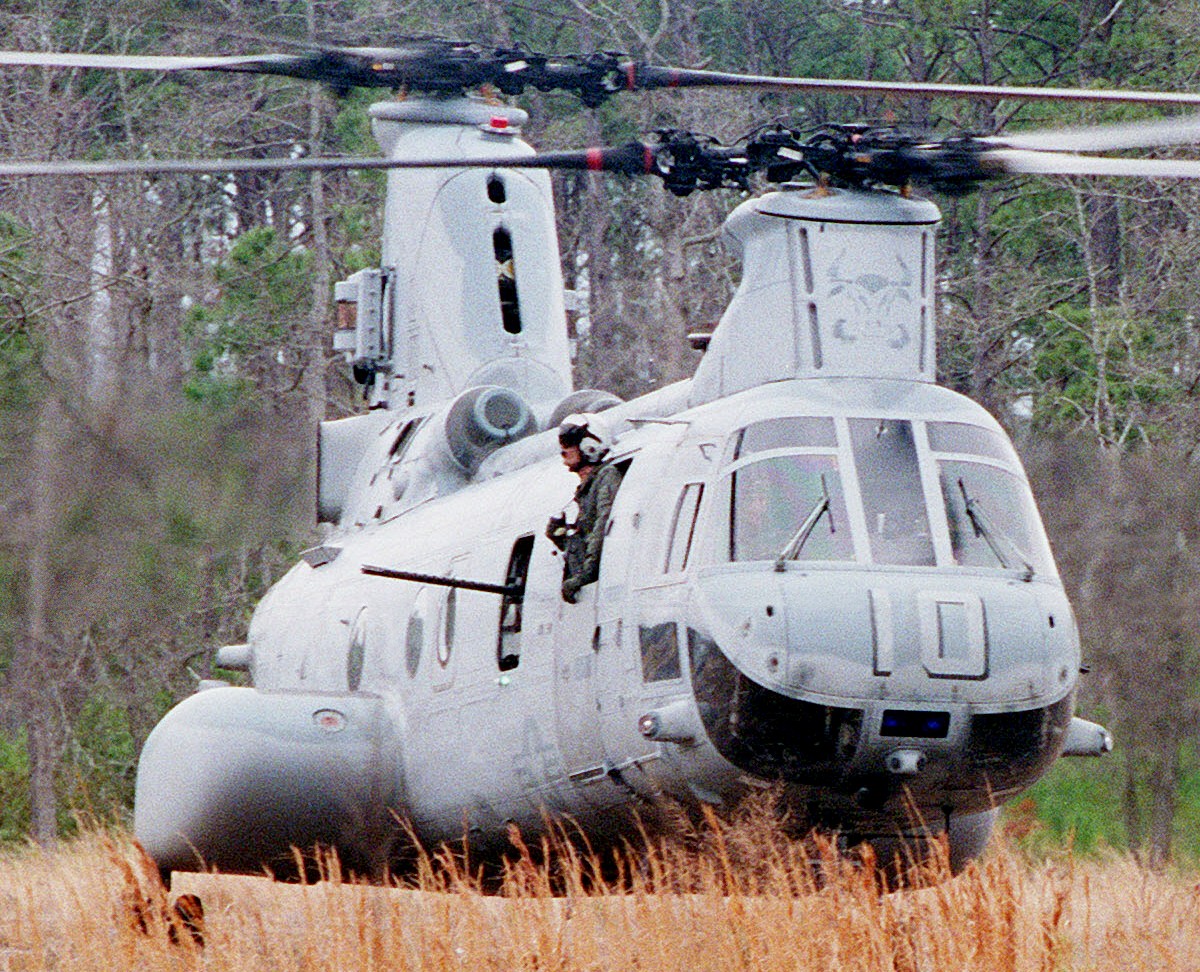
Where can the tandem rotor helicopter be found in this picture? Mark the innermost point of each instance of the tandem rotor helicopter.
(822, 571)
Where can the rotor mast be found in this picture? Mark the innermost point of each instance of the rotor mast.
(836, 283)
(471, 285)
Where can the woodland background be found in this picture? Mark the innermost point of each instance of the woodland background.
(165, 343)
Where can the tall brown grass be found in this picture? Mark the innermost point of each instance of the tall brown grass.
(737, 897)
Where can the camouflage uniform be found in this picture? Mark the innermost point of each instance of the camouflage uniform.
(583, 539)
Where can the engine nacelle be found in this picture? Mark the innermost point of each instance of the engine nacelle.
(480, 421)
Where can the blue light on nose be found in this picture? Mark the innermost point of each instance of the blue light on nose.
(915, 724)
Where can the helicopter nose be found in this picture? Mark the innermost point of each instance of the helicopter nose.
(940, 637)
(924, 682)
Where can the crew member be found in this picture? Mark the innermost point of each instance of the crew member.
(585, 442)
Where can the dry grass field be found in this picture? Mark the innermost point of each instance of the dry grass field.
(742, 901)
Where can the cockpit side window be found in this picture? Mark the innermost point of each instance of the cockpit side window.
(889, 477)
(683, 529)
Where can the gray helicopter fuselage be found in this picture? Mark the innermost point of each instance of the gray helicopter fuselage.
(894, 665)
(822, 571)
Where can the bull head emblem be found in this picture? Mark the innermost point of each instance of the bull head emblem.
(868, 303)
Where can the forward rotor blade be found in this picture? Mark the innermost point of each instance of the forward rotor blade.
(636, 158)
(640, 76)
(1105, 138)
(1059, 163)
(633, 159)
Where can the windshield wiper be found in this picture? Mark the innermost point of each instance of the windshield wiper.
(796, 544)
(984, 528)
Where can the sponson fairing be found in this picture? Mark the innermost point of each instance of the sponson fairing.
(813, 576)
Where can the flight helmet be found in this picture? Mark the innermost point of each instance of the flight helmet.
(587, 431)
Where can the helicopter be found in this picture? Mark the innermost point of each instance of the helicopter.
(822, 571)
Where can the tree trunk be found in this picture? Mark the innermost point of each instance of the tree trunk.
(1164, 784)
(1100, 331)
(982, 360)
(314, 345)
(1103, 216)
(1131, 813)
(44, 753)
(33, 673)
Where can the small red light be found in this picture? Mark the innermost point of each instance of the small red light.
(329, 720)
(498, 122)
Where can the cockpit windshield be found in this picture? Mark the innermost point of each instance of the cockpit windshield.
(889, 476)
(772, 499)
(886, 491)
(786, 499)
(989, 512)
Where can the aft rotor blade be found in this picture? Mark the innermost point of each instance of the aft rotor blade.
(1105, 138)
(428, 66)
(435, 65)
(263, 63)
(1060, 163)
(644, 76)
(633, 159)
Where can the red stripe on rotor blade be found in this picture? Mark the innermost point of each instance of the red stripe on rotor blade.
(595, 160)
(631, 76)
(674, 79)
(647, 159)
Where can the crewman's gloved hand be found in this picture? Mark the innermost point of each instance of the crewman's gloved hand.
(556, 530)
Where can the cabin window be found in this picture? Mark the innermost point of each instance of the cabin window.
(356, 652)
(508, 647)
(496, 191)
(773, 499)
(403, 437)
(449, 620)
(506, 281)
(414, 641)
(660, 652)
(683, 528)
(885, 456)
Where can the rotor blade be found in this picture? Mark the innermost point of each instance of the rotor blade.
(268, 63)
(1059, 163)
(438, 65)
(632, 159)
(432, 66)
(1105, 138)
(643, 76)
